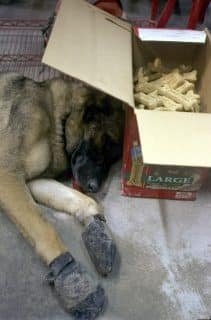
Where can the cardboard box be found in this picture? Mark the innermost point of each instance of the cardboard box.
(152, 181)
(103, 51)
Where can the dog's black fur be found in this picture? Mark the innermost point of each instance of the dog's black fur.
(90, 162)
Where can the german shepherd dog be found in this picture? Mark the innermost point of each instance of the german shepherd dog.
(46, 129)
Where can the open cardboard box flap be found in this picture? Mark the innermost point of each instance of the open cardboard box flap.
(93, 46)
(97, 48)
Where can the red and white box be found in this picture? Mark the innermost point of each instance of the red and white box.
(154, 181)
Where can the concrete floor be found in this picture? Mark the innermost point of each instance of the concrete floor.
(165, 249)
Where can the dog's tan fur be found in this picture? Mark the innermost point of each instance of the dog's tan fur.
(32, 119)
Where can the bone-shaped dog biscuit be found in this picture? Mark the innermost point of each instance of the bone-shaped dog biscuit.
(187, 86)
(163, 80)
(177, 97)
(142, 78)
(154, 76)
(176, 81)
(193, 95)
(147, 100)
(154, 93)
(169, 104)
(155, 66)
(190, 76)
(145, 87)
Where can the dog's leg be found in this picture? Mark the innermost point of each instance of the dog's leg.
(77, 291)
(17, 202)
(55, 195)
(96, 235)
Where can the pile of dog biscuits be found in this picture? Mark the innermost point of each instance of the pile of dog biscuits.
(164, 89)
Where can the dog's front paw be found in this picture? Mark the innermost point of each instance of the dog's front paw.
(88, 208)
(93, 208)
(79, 294)
(100, 246)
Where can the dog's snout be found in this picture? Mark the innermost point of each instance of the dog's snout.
(92, 186)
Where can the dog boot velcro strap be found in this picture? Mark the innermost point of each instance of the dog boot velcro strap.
(77, 291)
(58, 264)
(100, 246)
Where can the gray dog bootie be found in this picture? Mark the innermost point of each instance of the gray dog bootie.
(80, 295)
(100, 246)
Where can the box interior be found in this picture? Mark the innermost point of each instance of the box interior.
(174, 54)
(176, 138)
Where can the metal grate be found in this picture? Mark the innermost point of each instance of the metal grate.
(22, 44)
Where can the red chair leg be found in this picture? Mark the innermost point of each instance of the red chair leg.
(205, 5)
(112, 6)
(154, 9)
(166, 13)
(197, 12)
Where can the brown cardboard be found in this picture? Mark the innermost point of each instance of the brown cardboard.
(175, 138)
(149, 181)
(95, 47)
(202, 63)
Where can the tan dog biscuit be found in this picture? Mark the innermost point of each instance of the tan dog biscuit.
(155, 66)
(154, 76)
(190, 76)
(146, 100)
(185, 87)
(177, 97)
(145, 88)
(169, 104)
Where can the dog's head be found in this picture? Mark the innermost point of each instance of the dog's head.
(99, 142)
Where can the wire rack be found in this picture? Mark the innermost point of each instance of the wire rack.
(22, 44)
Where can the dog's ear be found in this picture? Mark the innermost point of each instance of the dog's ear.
(112, 150)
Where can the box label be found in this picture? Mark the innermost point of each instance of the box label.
(166, 181)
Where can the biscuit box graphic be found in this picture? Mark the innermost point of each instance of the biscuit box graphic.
(154, 181)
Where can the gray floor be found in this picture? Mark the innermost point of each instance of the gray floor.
(165, 249)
